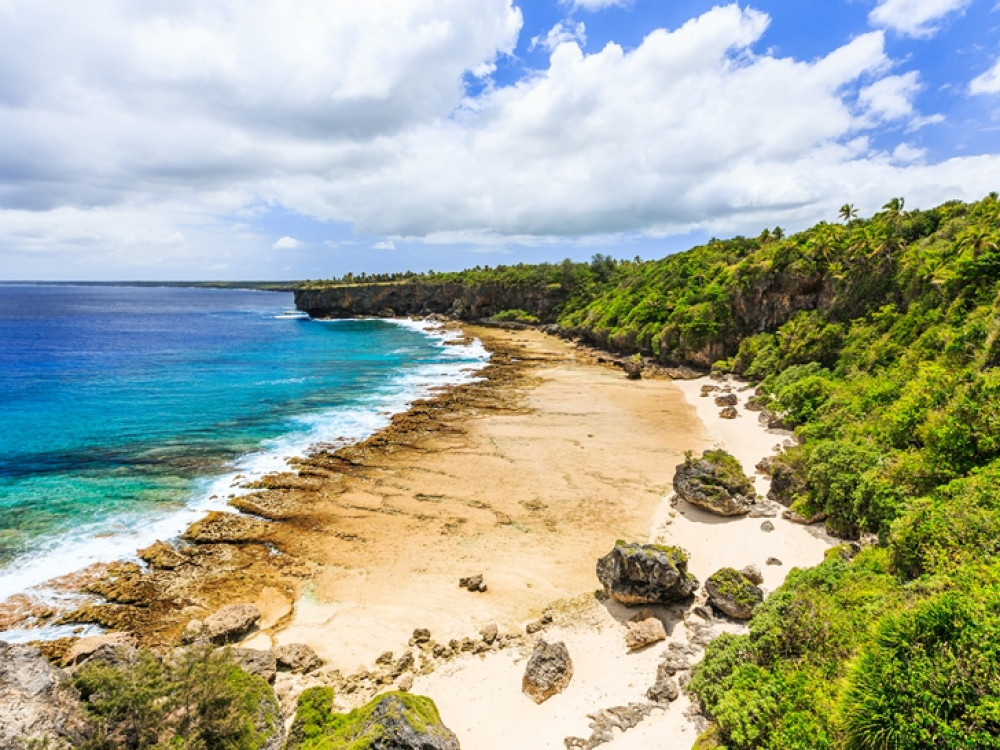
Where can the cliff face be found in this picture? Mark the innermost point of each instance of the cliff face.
(453, 299)
(762, 304)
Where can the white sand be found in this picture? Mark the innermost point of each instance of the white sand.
(480, 696)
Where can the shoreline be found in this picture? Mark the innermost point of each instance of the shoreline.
(526, 476)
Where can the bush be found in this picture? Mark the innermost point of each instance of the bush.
(197, 699)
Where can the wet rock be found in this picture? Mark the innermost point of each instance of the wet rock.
(733, 593)
(644, 629)
(645, 574)
(296, 657)
(219, 527)
(729, 412)
(162, 556)
(253, 661)
(37, 707)
(473, 583)
(716, 483)
(548, 672)
(727, 399)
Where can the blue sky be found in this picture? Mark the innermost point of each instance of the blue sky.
(202, 139)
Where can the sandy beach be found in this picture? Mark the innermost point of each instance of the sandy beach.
(526, 477)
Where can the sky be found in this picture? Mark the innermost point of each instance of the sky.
(302, 139)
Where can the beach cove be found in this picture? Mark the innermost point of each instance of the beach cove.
(526, 477)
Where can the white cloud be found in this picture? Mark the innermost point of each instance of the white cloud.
(158, 136)
(988, 82)
(385, 245)
(562, 32)
(286, 243)
(891, 98)
(917, 18)
(594, 5)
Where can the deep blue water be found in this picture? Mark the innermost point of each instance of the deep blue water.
(123, 410)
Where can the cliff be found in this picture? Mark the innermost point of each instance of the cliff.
(454, 299)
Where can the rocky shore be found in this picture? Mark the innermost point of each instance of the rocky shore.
(348, 570)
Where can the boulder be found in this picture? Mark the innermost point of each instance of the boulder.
(727, 399)
(255, 662)
(107, 643)
(644, 629)
(296, 657)
(473, 583)
(716, 483)
(773, 561)
(733, 593)
(37, 708)
(633, 370)
(753, 574)
(635, 573)
(489, 633)
(391, 721)
(729, 413)
(548, 672)
(665, 689)
(227, 625)
(786, 484)
(708, 389)
(767, 526)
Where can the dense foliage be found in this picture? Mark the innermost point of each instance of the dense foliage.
(879, 341)
(196, 699)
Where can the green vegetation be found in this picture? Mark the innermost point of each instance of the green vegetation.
(317, 727)
(730, 582)
(198, 698)
(878, 340)
(517, 316)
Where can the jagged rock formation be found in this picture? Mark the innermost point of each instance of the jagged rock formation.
(716, 483)
(645, 574)
(35, 706)
(227, 625)
(548, 672)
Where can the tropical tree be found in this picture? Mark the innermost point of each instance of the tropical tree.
(848, 212)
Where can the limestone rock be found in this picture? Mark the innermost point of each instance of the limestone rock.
(473, 583)
(733, 593)
(645, 574)
(727, 399)
(548, 672)
(255, 662)
(677, 658)
(752, 573)
(708, 389)
(161, 555)
(786, 484)
(729, 413)
(716, 483)
(489, 633)
(227, 625)
(633, 370)
(644, 629)
(767, 526)
(665, 689)
(35, 704)
(296, 657)
(85, 648)
(773, 561)
(219, 527)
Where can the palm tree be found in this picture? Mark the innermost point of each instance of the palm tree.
(894, 213)
(848, 212)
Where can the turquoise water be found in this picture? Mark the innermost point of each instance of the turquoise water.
(126, 412)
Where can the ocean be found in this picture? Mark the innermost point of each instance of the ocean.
(128, 412)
